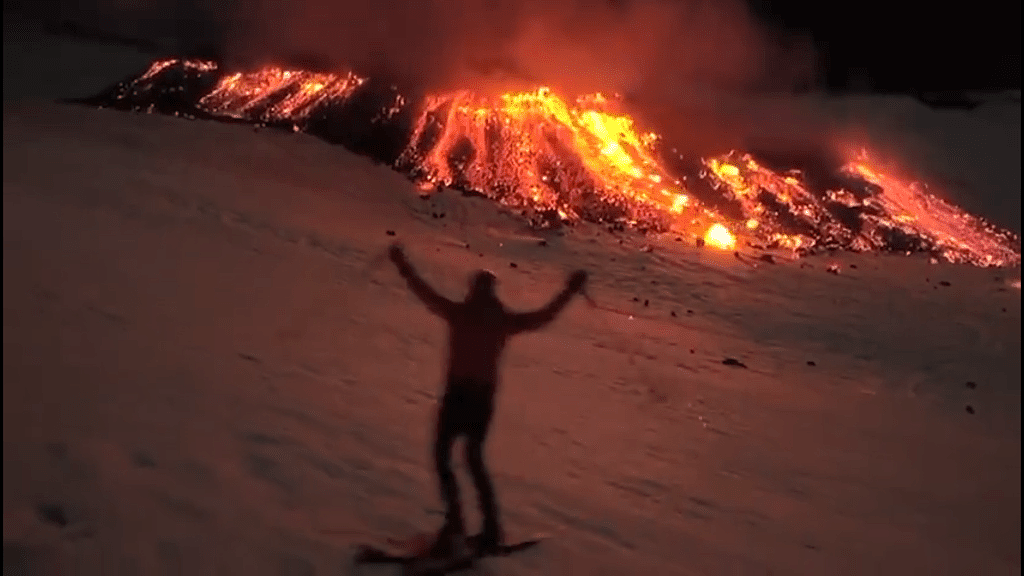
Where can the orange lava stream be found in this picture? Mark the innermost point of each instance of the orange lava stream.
(961, 236)
(276, 94)
(536, 150)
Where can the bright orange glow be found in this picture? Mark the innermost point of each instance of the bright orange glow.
(535, 149)
(960, 236)
(720, 237)
(576, 159)
(679, 202)
(533, 126)
(274, 94)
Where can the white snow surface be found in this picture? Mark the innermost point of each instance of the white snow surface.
(210, 369)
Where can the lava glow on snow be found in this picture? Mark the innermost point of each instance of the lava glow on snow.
(561, 161)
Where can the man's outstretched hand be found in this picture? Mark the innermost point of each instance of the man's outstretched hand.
(577, 280)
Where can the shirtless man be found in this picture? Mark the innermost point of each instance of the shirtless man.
(478, 329)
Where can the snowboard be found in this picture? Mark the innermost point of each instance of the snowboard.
(414, 561)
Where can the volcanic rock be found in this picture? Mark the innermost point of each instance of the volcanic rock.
(143, 459)
(54, 513)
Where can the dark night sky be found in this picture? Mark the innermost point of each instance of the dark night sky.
(904, 45)
(878, 45)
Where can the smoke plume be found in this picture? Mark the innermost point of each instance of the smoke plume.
(624, 46)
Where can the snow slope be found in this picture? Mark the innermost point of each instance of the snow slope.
(209, 369)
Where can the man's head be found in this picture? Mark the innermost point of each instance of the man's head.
(481, 284)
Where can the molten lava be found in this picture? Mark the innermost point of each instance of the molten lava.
(562, 161)
(720, 237)
(535, 150)
(959, 236)
(273, 94)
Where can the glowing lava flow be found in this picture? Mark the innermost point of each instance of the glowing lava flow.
(273, 94)
(957, 235)
(536, 150)
(566, 161)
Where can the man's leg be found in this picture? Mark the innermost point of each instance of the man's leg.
(451, 538)
(453, 523)
(491, 536)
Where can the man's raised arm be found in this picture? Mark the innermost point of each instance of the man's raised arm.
(436, 303)
(525, 321)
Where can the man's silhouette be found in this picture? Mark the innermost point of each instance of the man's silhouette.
(478, 327)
